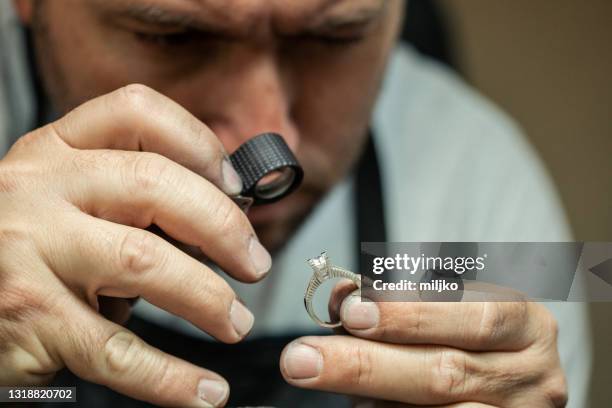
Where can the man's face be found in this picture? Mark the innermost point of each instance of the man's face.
(307, 69)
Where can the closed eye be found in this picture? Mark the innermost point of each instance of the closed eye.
(336, 40)
(171, 39)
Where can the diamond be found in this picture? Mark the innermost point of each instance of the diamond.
(321, 266)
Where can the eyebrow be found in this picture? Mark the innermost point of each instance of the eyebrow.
(358, 16)
(150, 13)
(153, 14)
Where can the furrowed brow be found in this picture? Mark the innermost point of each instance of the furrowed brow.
(153, 14)
(357, 17)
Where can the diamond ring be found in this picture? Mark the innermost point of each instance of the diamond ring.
(324, 270)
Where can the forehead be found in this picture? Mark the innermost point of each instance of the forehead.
(249, 15)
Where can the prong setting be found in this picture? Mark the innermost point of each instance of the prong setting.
(321, 266)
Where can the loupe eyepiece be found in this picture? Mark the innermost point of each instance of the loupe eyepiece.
(268, 169)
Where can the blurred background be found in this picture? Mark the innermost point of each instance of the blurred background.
(548, 63)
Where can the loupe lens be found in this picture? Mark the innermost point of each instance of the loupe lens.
(275, 183)
(267, 167)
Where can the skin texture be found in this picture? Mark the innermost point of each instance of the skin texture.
(76, 196)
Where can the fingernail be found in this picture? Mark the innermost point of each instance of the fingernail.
(213, 392)
(262, 261)
(302, 361)
(357, 314)
(232, 183)
(242, 319)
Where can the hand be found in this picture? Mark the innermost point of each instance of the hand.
(75, 197)
(478, 354)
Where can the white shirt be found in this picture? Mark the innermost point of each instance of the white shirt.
(454, 168)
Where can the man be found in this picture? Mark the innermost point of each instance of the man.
(114, 159)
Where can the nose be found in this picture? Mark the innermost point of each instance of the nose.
(254, 99)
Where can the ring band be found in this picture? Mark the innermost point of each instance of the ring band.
(324, 270)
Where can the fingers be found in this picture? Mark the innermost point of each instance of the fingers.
(102, 258)
(138, 118)
(479, 326)
(105, 353)
(421, 375)
(140, 189)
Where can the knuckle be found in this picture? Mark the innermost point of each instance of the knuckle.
(136, 97)
(415, 322)
(495, 320)
(139, 252)
(162, 374)
(226, 214)
(490, 323)
(149, 172)
(360, 373)
(122, 353)
(449, 374)
(556, 390)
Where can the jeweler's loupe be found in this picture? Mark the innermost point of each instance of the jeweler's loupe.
(268, 169)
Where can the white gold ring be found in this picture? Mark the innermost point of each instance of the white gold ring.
(324, 270)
